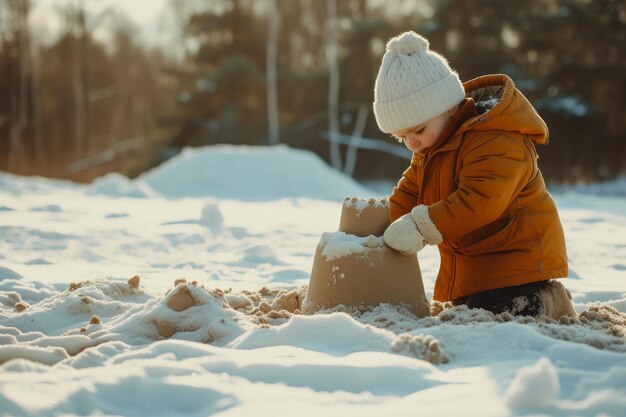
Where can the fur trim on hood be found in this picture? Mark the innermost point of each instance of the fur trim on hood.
(504, 108)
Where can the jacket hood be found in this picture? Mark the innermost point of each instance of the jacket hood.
(504, 108)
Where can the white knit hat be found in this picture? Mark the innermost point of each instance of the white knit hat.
(414, 84)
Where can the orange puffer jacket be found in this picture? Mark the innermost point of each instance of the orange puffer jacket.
(486, 195)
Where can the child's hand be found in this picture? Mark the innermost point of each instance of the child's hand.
(404, 236)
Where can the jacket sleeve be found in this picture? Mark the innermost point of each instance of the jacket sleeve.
(405, 194)
(493, 174)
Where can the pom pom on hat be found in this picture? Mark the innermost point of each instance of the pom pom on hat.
(408, 43)
(414, 84)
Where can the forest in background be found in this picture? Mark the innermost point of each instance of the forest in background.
(299, 72)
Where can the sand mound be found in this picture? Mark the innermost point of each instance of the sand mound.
(267, 307)
(425, 347)
(101, 288)
(288, 301)
(604, 318)
(192, 312)
(601, 326)
(181, 299)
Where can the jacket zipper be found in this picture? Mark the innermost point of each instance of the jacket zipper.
(420, 165)
(423, 163)
(453, 276)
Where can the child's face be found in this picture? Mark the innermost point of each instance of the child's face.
(420, 137)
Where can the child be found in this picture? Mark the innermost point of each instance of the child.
(473, 187)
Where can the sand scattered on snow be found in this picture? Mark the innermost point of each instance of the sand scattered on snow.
(600, 326)
(421, 346)
(21, 306)
(134, 281)
(181, 299)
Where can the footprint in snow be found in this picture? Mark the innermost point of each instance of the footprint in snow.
(619, 267)
(50, 208)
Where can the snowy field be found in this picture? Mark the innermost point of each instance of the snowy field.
(79, 336)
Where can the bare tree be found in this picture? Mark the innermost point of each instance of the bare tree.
(38, 143)
(355, 140)
(81, 31)
(334, 80)
(77, 25)
(19, 10)
(272, 88)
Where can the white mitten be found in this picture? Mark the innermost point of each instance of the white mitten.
(403, 236)
(411, 232)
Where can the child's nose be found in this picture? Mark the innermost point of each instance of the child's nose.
(411, 139)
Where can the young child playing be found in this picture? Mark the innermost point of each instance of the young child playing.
(473, 186)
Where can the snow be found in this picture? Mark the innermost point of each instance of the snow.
(534, 386)
(338, 244)
(249, 173)
(361, 204)
(568, 106)
(212, 217)
(613, 188)
(222, 240)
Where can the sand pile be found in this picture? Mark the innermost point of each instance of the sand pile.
(267, 306)
(600, 326)
(103, 288)
(425, 347)
(606, 324)
(190, 311)
(182, 299)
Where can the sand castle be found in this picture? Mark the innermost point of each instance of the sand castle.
(353, 266)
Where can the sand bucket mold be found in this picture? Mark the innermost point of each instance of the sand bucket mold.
(353, 267)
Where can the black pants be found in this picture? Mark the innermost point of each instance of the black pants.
(521, 300)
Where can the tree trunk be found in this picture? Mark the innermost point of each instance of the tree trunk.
(80, 102)
(272, 89)
(357, 136)
(20, 98)
(38, 145)
(334, 80)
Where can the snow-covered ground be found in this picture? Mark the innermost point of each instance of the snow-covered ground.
(80, 337)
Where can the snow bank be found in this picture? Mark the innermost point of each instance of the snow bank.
(250, 174)
(6, 273)
(17, 185)
(45, 355)
(613, 188)
(117, 185)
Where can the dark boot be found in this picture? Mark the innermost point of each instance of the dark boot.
(556, 301)
(549, 298)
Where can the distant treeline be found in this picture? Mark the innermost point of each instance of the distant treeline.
(299, 72)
